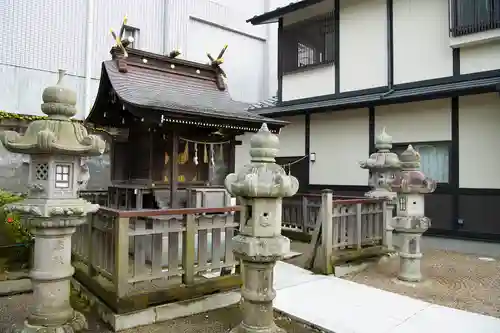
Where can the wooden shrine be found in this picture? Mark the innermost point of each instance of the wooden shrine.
(177, 125)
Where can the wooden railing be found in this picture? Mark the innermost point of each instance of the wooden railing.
(356, 223)
(347, 230)
(300, 213)
(133, 259)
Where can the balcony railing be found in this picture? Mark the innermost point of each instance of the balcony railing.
(472, 16)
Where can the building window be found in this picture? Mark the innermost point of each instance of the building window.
(308, 43)
(62, 176)
(133, 32)
(434, 158)
(471, 16)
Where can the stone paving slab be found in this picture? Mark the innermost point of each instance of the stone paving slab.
(341, 306)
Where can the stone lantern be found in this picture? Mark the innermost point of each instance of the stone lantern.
(383, 166)
(411, 184)
(52, 209)
(260, 187)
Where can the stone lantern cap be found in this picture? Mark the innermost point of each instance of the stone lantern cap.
(411, 179)
(262, 177)
(56, 134)
(383, 159)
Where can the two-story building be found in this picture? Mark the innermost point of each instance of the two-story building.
(38, 38)
(427, 70)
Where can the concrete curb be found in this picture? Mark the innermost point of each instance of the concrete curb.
(14, 287)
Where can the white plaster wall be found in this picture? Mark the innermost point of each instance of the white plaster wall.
(292, 141)
(479, 58)
(292, 137)
(479, 135)
(363, 44)
(421, 40)
(309, 83)
(340, 140)
(415, 122)
(243, 60)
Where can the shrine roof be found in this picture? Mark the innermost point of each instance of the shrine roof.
(159, 85)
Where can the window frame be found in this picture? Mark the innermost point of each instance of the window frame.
(399, 147)
(289, 40)
(458, 29)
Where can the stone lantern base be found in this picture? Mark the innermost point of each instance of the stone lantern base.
(411, 229)
(77, 324)
(258, 257)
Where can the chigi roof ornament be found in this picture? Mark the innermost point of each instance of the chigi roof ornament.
(215, 63)
(120, 42)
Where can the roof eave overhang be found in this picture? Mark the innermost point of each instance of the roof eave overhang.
(274, 15)
(175, 116)
(382, 99)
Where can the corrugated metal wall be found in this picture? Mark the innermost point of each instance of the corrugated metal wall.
(39, 37)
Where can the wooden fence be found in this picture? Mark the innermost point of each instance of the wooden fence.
(347, 230)
(135, 259)
(339, 229)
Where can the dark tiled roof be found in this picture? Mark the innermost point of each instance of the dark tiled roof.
(167, 91)
(270, 102)
(273, 15)
(398, 95)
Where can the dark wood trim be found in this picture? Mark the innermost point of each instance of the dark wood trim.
(371, 129)
(280, 61)
(336, 31)
(390, 44)
(449, 79)
(455, 162)
(479, 191)
(164, 212)
(376, 90)
(338, 188)
(456, 61)
(464, 235)
(307, 144)
(410, 85)
(271, 16)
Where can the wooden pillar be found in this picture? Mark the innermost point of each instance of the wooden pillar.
(232, 155)
(174, 166)
(211, 167)
(151, 166)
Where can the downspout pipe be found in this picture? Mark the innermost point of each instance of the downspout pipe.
(88, 56)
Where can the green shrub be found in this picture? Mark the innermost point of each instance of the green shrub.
(10, 222)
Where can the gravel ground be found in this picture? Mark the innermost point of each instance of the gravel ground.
(451, 279)
(13, 311)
